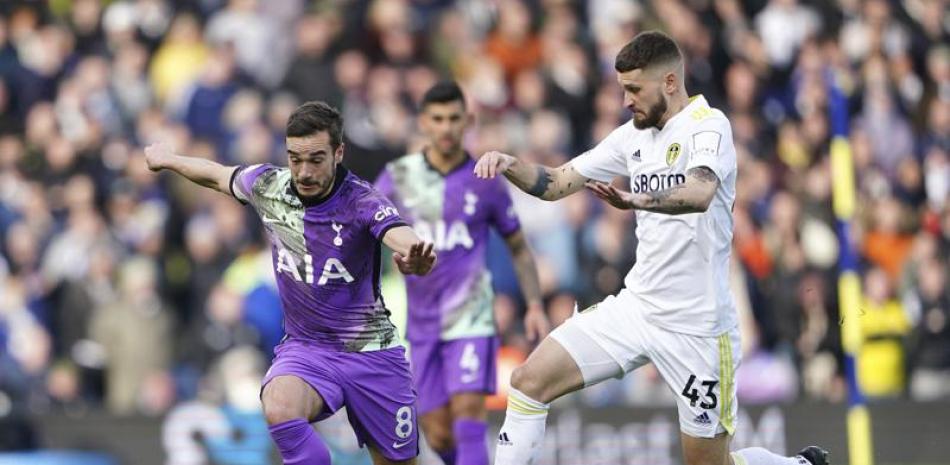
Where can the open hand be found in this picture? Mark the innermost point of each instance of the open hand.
(612, 195)
(420, 260)
(493, 163)
(536, 324)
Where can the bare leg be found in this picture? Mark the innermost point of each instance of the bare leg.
(549, 373)
(706, 451)
(437, 427)
(289, 405)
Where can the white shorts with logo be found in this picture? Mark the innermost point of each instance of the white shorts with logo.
(612, 338)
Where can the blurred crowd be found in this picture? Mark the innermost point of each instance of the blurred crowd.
(123, 288)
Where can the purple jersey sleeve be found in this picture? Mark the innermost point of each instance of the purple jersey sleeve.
(379, 213)
(502, 213)
(243, 179)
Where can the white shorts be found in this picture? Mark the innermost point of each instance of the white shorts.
(612, 338)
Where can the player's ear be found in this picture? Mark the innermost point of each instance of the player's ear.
(338, 153)
(469, 119)
(670, 82)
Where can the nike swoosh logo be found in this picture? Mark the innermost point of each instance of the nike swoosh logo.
(397, 445)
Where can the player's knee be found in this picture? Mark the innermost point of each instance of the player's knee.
(525, 381)
(439, 439)
(277, 412)
(279, 408)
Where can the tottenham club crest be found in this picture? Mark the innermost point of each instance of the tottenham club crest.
(337, 241)
(672, 153)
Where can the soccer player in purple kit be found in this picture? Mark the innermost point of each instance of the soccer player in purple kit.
(325, 226)
(451, 326)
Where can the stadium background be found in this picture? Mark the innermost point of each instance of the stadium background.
(129, 301)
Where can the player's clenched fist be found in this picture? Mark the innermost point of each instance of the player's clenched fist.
(492, 164)
(157, 156)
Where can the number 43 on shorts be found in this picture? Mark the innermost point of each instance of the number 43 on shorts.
(692, 393)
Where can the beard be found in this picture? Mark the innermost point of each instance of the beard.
(653, 115)
(322, 187)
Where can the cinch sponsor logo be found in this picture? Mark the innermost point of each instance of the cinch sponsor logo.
(385, 212)
(656, 182)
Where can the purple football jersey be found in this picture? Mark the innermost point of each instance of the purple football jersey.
(455, 212)
(326, 256)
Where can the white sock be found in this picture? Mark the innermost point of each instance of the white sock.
(760, 456)
(520, 438)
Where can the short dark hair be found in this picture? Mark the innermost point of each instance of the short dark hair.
(442, 92)
(313, 117)
(647, 49)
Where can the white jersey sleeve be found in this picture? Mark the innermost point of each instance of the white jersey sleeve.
(711, 146)
(607, 159)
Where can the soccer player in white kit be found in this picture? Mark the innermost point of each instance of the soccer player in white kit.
(676, 309)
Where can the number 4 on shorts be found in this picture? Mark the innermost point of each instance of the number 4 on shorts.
(692, 393)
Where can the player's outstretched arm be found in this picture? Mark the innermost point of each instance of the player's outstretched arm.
(692, 196)
(536, 324)
(540, 181)
(159, 156)
(410, 254)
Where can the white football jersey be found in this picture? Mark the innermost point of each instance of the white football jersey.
(681, 277)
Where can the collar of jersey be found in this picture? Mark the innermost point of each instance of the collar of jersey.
(694, 102)
(341, 173)
(451, 170)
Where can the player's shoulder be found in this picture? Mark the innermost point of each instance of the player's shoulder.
(364, 201)
(265, 175)
(703, 115)
(358, 187)
(257, 169)
(359, 192)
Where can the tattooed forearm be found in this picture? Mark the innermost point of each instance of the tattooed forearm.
(704, 174)
(540, 186)
(693, 196)
(530, 179)
(669, 201)
(545, 182)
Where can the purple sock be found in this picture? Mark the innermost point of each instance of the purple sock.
(471, 442)
(299, 444)
(447, 456)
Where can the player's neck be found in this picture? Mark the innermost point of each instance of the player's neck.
(678, 102)
(444, 162)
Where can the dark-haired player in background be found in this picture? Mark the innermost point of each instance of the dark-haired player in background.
(326, 226)
(451, 326)
(676, 309)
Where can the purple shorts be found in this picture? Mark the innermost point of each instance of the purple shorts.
(376, 388)
(443, 368)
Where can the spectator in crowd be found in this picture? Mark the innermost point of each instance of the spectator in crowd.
(884, 324)
(134, 331)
